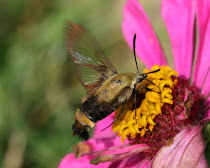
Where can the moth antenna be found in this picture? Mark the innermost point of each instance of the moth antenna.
(134, 51)
(153, 71)
(135, 101)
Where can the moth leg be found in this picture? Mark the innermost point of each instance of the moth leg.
(117, 116)
(135, 92)
(147, 89)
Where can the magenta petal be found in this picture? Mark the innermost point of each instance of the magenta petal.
(179, 16)
(206, 117)
(100, 125)
(127, 149)
(203, 55)
(121, 156)
(105, 143)
(96, 145)
(186, 151)
(135, 161)
(206, 84)
(202, 70)
(183, 115)
(145, 164)
(135, 21)
(69, 161)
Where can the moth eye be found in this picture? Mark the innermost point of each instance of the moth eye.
(117, 81)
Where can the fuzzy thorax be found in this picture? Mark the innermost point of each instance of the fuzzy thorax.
(138, 121)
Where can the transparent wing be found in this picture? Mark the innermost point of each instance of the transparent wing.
(93, 67)
(89, 78)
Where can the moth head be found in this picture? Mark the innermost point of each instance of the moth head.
(141, 77)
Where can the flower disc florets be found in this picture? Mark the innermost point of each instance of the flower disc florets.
(161, 113)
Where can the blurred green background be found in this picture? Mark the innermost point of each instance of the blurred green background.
(39, 91)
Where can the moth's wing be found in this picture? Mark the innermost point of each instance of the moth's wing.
(89, 78)
(93, 67)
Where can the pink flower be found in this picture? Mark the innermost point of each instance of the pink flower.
(187, 147)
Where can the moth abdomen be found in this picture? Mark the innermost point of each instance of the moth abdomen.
(80, 130)
(95, 110)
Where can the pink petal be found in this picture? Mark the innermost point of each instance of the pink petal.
(136, 21)
(159, 158)
(202, 162)
(186, 151)
(100, 125)
(69, 161)
(179, 17)
(203, 54)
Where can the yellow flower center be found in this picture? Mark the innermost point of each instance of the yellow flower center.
(162, 83)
